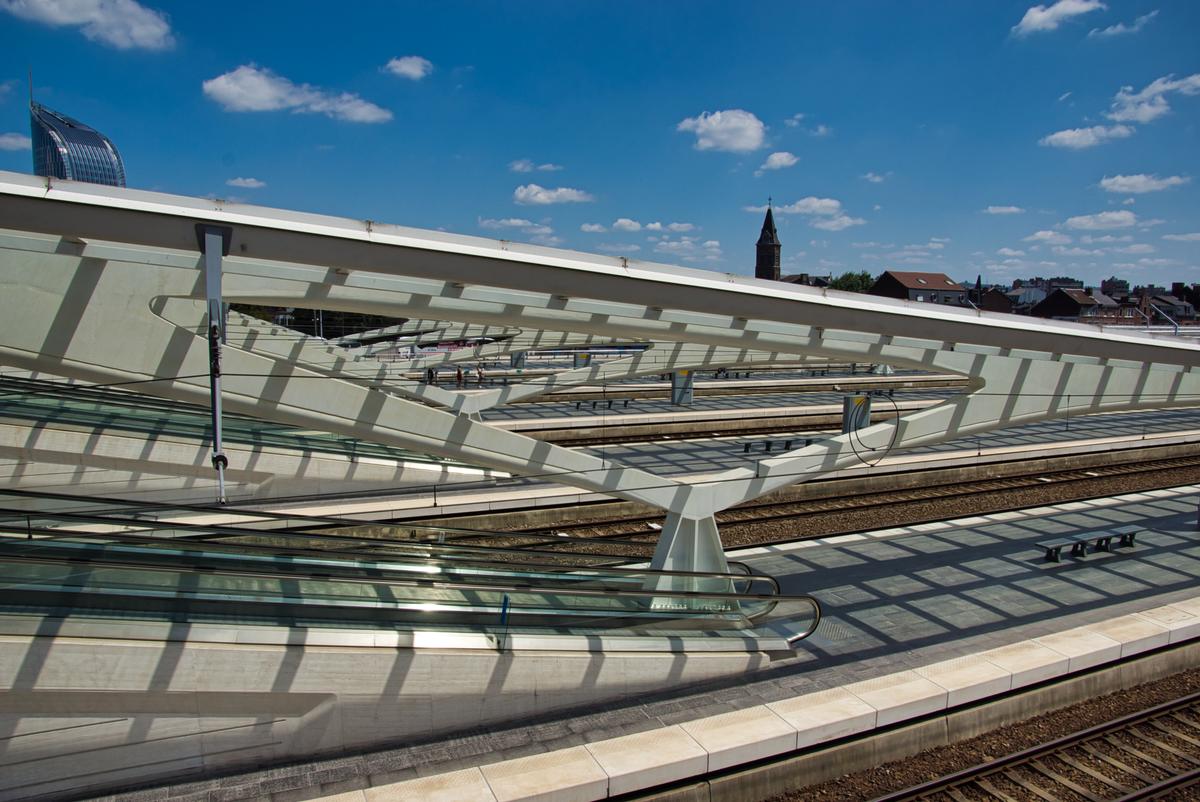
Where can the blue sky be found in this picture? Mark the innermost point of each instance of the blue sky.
(1007, 139)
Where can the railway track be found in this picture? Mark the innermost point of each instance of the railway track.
(1152, 754)
(765, 523)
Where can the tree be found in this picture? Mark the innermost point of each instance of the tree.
(853, 282)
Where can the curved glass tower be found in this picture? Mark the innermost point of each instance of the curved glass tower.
(66, 148)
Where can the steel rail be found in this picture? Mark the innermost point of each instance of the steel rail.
(1001, 765)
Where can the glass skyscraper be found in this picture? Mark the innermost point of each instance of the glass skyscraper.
(66, 148)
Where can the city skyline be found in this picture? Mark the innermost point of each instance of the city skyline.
(1007, 139)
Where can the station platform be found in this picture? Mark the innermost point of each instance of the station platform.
(919, 620)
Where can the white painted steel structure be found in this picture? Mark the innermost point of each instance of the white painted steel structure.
(105, 285)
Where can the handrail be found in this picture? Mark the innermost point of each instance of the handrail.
(655, 593)
(56, 539)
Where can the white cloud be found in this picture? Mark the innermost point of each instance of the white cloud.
(1063, 96)
(1048, 238)
(412, 67)
(837, 223)
(617, 247)
(1088, 239)
(1139, 247)
(538, 232)
(733, 130)
(1128, 202)
(874, 178)
(528, 166)
(778, 161)
(625, 224)
(1192, 237)
(1010, 252)
(1150, 103)
(809, 205)
(1141, 183)
(532, 194)
(793, 121)
(1004, 210)
(827, 213)
(1103, 220)
(14, 141)
(689, 249)
(246, 183)
(123, 24)
(1078, 138)
(1121, 28)
(593, 228)
(1075, 251)
(507, 222)
(681, 227)
(821, 130)
(250, 88)
(1048, 18)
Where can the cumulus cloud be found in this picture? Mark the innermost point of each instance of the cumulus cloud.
(1010, 252)
(874, 178)
(689, 249)
(251, 88)
(1191, 237)
(246, 183)
(1088, 239)
(534, 195)
(618, 247)
(1121, 28)
(412, 67)
(14, 141)
(733, 130)
(826, 214)
(777, 161)
(1103, 220)
(593, 228)
(1004, 210)
(123, 24)
(626, 224)
(1141, 183)
(1139, 247)
(1039, 19)
(1048, 238)
(1150, 103)
(538, 232)
(793, 121)
(1079, 138)
(528, 166)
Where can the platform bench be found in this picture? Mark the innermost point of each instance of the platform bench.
(1054, 547)
(1079, 543)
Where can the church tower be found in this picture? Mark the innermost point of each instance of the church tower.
(766, 263)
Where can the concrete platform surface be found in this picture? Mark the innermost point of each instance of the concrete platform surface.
(918, 618)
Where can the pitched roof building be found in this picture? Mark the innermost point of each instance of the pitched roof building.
(935, 288)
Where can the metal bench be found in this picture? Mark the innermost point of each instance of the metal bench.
(1054, 547)
(1079, 543)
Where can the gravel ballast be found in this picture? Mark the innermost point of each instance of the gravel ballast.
(944, 760)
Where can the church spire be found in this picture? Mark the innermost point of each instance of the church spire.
(766, 263)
